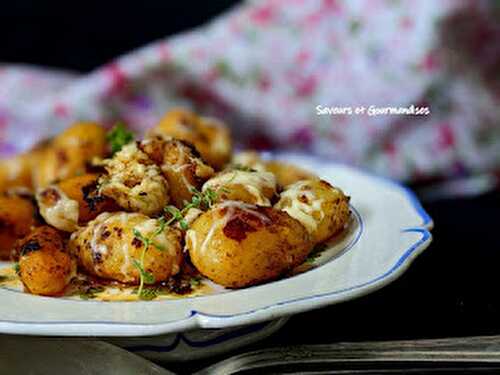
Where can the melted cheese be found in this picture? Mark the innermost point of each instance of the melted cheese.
(232, 209)
(63, 214)
(253, 182)
(149, 194)
(292, 203)
(250, 159)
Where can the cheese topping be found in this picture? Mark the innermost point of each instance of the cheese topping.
(253, 182)
(232, 209)
(301, 204)
(59, 211)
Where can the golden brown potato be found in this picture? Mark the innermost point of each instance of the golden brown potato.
(72, 202)
(237, 244)
(17, 216)
(70, 153)
(210, 136)
(107, 247)
(134, 181)
(247, 186)
(83, 189)
(15, 172)
(43, 266)
(320, 207)
(181, 165)
(287, 174)
(250, 159)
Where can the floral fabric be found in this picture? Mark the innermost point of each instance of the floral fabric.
(266, 66)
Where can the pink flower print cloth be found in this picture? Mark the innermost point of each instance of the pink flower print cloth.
(266, 66)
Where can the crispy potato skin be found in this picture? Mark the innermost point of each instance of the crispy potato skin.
(238, 245)
(287, 174)
(210, 137)
(70, 153)
(17, 216)
(83, 189)
(45, 269)
(320, 207)
(107, 247)
(134, 181)
(181, 165)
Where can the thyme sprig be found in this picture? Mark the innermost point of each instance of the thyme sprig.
(200, 200)
(145, 276)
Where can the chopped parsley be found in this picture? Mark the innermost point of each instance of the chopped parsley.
(118, 137)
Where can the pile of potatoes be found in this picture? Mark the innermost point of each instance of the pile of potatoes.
(70, 204)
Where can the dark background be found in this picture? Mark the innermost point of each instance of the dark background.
(451, 290)
(81, 35)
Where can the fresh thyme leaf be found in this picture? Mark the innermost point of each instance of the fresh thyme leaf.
(177, 216)
(118, 137)
(158, 246)
(149, 294)
(146, 276)
(141, 238)
(183, 224)
(244, 168)
(315, 253)
(91, 293)
(195, 281)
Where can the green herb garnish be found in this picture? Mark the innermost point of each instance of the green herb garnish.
(118, 137)
(17, 268)
(91, 293)
(147, 294)
(145, 276)
(195, 281)
(201, 200)
(315, 253)
(244, 168)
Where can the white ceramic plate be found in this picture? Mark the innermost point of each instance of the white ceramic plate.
(389, 229)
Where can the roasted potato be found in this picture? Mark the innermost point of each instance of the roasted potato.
(247, 186)
(108, 247)
(320, 207)
(237, 244)
(249, 159)
(16, 172)
(210, 136)
(44, 267)
(72, 202)
(17, 216)
(181, 165)
(134, 181)
(70, 153)
(287, 174)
